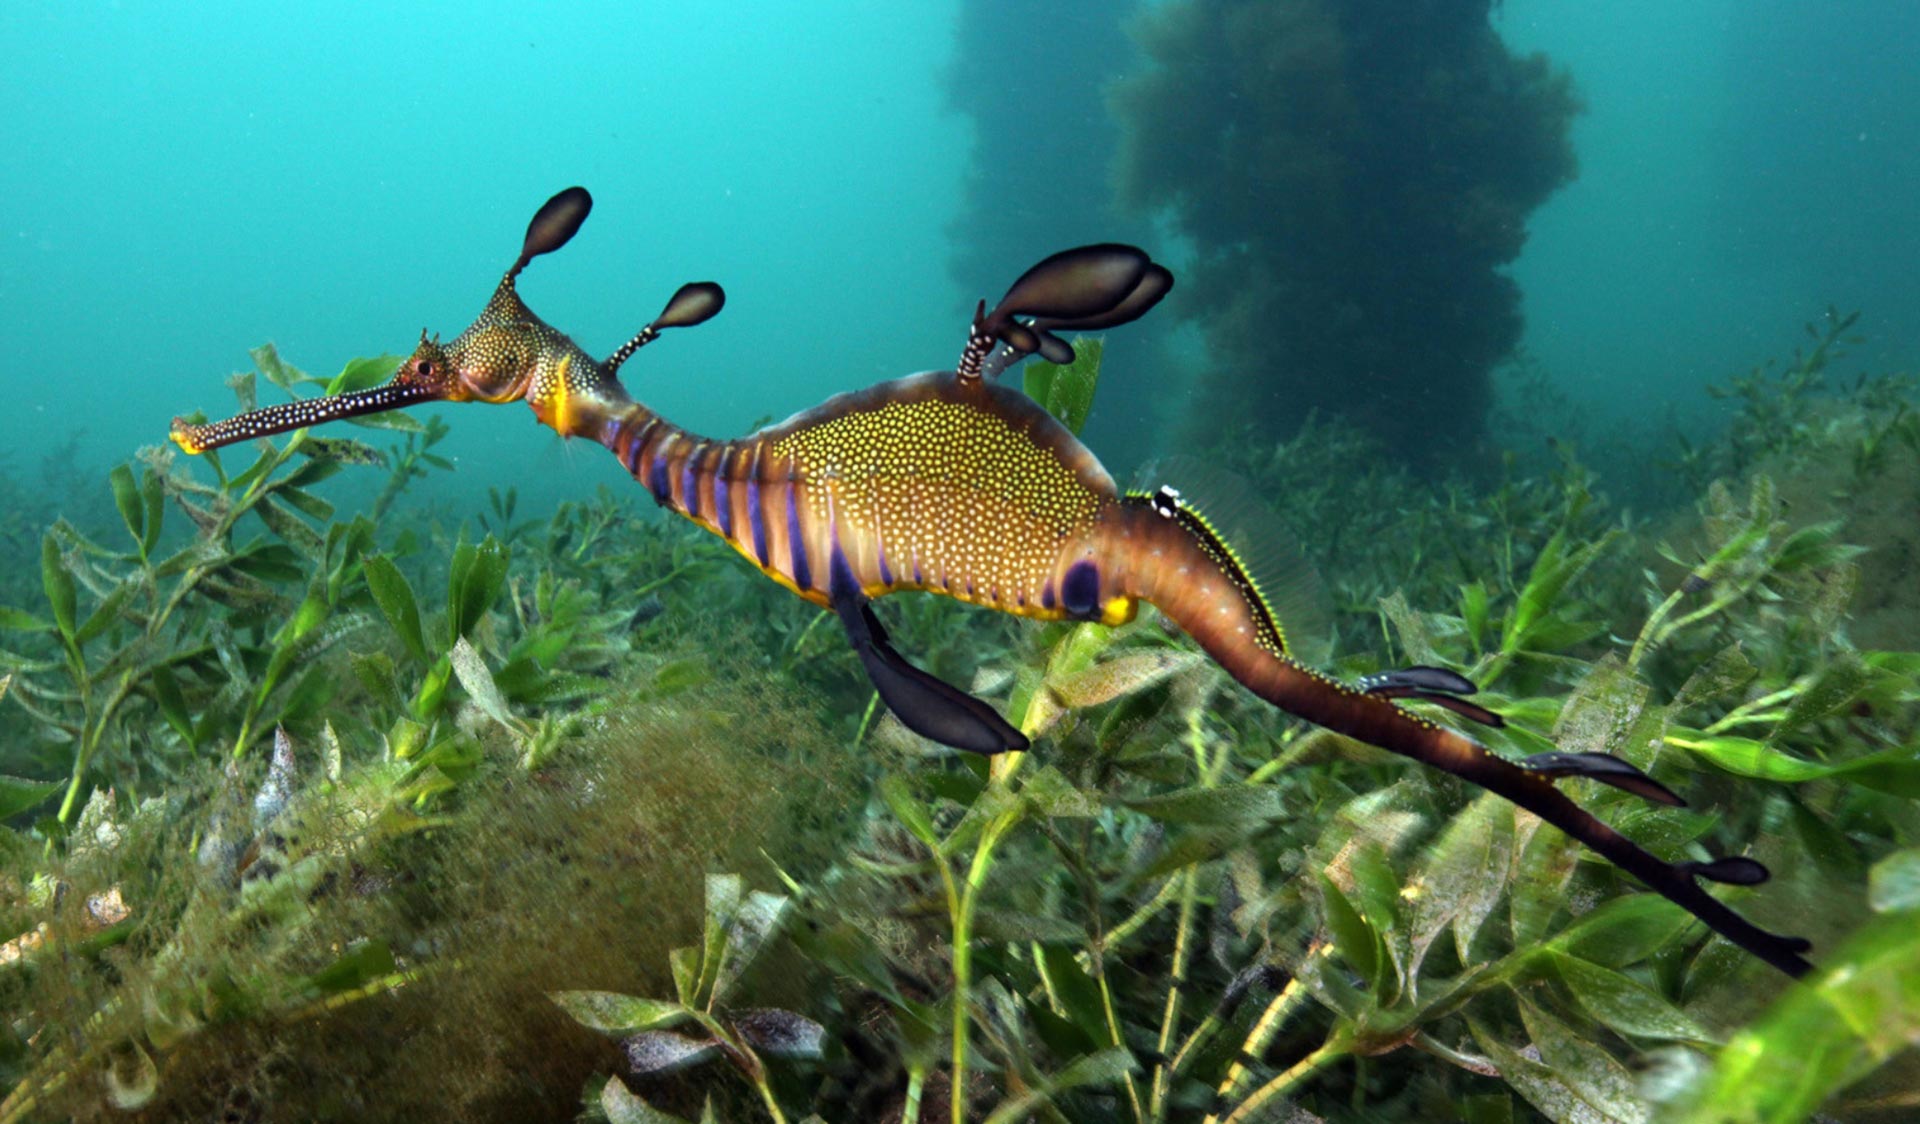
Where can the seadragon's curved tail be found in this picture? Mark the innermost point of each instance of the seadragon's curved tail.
(1175, 561)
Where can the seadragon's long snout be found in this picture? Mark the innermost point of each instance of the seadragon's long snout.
(297, 415)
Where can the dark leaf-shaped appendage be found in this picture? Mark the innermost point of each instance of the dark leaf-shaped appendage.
(1082, 289)
(296, 415)
(1075, 284)
(1054, 349)
(555, 224)
(1393, 684)
(1735, 871)
(929, 706)
(662, 1051)
(1155, 283)
(1606, 769)
(781, 1034)
(1023, 340)
(1434, 685)
(695, 303)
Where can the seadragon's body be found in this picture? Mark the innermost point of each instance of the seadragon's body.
(952, 483)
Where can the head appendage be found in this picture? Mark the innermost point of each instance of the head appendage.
(1097, 286)
(553, 226)
(696, 302)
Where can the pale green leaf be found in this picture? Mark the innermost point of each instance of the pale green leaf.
(618, 1014)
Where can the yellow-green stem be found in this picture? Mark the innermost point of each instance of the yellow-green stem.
(866, 720)
(1147, 911)
(962, 909)
(1334, 1049)
(1264, 1029)
(1176, 989)
(766, 1095)
(1201, 1035)
(1647, 631)
(1284, 761)
(91, 743)
(1116, 1038)
(916, 1080)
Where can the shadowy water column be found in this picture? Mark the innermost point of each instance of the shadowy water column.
(1354, 174)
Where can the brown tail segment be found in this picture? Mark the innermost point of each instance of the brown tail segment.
(1182, 569)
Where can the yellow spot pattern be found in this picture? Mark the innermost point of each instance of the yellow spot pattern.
(969, 498)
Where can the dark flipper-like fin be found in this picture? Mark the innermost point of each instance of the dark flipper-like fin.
(1393, 684)
(930, 707)
(1088, 287)
(1735, 870)
(1434, 685)
(1607, 769)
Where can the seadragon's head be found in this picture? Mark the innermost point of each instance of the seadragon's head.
(506, 355)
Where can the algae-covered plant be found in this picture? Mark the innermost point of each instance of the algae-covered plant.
(318, 815)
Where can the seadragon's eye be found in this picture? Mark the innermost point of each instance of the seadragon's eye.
(424, 368)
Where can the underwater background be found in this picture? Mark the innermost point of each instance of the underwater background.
(1574, 344)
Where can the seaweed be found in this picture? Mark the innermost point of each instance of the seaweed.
(573, 812)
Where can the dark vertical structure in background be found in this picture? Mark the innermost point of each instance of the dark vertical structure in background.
(1034, 79)
(1353, 174)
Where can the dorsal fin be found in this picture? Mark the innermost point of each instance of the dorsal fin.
(1263, 544)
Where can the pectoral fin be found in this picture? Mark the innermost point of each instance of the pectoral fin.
(930, 707)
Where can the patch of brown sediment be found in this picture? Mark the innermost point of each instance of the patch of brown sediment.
(581, 875)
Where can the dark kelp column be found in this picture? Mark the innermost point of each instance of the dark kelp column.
(1354, 175)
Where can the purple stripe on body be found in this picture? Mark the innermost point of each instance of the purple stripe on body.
(840, 580)
(723, 495)
(757, 519)
(690, 484)
(657, 481)
(796, 544)
(631, 457)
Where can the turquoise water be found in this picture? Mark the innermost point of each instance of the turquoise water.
(186, 181)
(1740, 167)
(628, 711)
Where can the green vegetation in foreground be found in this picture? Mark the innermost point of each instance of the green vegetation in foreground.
(316, 818)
